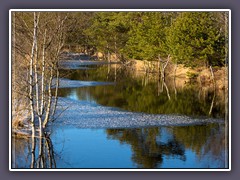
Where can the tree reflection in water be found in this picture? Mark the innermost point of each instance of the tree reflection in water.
(152, 146)
(33, 153)
(156, 96)
(204, 140)
(196, 146)
(147, 150)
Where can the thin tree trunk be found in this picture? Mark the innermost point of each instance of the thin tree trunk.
(31, 85)
(214, 84)
(162, 69)
(165, 85)
(56, 94)
(41, 108)
(211, 107)
(49, 99)
(37, 92)
(43, 74)
(36, 80)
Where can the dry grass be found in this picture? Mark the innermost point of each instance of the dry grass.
(203, 75)
(20, 115)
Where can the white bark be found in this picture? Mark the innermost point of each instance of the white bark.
(43, 74)
(161, 70)
(165, 85)
(49, 99)
(37, 91)
(214, 84)
(163, 66)
(31, 84)
(56, 93)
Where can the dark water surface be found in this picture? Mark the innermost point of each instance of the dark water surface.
(192, 146)
(142, 94)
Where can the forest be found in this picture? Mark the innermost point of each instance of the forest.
(190, 38)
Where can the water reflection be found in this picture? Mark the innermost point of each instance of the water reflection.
(134, 94)
(136, 98)
(148, 151)
(200, 146)
(33, 152)
(152, 146)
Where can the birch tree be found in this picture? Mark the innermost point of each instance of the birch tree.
(31, 72)
(44, 35)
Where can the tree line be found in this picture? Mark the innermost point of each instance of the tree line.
(189, 38)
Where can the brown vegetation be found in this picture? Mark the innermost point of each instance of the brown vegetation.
(201, 75)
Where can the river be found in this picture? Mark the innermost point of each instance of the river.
(109, 118)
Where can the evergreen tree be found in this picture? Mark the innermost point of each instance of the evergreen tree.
(196, 36)
(108, 32)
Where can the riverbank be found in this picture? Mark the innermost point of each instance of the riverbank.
(183, 75)
(218, 78)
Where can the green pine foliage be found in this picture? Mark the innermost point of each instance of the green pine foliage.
(190, 38)
(196, 37)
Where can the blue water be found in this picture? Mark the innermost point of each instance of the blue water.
(90, 148)
(156, 147)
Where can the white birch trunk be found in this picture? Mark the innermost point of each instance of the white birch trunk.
(43, 74)
(56, 93)
(37, 92)
(49, 99)
(31, 85)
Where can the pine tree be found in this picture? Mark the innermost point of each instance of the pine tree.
(195, 37)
